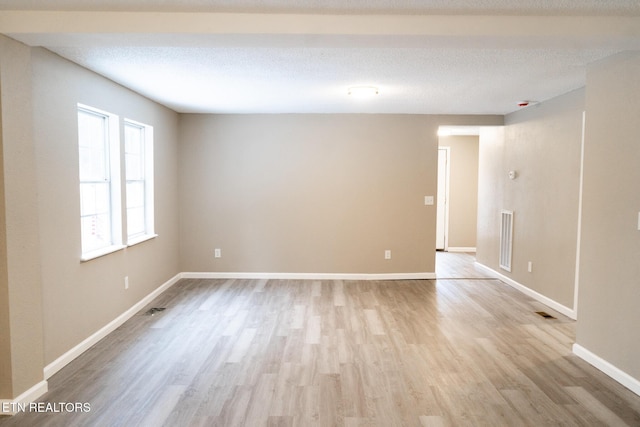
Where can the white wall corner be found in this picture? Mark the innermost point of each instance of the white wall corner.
(614, 372)
(12, 407)
(569, 312)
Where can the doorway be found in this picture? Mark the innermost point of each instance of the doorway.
(442, 205)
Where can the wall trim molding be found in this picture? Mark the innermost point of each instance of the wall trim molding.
(28, 396)
(611, 370)
(76, 351)
(309, 276)
(462, 249)
(569, 312)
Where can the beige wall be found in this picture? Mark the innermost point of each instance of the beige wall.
(542, 143)
(290, 188)
(80, 298)
(463, 190)
(21, 282)
(609, 295)
(6, 382)
(309, 193)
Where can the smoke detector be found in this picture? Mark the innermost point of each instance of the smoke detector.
(523, 104)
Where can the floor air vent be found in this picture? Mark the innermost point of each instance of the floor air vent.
(153, 311)
(545, 315)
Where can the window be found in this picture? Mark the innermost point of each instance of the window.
(101, 189)
(138, 149)
(99, 182)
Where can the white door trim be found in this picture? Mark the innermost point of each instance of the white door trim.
(442, 224)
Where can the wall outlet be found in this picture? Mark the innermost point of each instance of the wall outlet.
(217, 253)
(126, 282)
(387, 254)
(428, 200)
(530, 267)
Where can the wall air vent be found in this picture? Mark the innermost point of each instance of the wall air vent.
(506, 239)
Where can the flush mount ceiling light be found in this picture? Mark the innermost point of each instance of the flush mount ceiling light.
(363, 91)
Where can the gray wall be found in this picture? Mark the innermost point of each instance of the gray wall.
(463, 190)
(310, 193)
(609, 294)
(542, 143)
(21, 341)
(80, 298)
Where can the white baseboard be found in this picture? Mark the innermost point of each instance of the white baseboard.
(28, 396)
(617, 374)
(309, 276)
(461, 249)
(569, 312)
(76, 351)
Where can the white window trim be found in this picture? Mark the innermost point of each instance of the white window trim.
(140, 239)
(101, 252)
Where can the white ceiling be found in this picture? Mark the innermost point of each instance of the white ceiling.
(505, 7)
(425, 56)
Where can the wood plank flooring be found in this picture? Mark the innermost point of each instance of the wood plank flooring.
(338, 353)
(460, 265)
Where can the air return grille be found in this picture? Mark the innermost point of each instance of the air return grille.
(506, 239)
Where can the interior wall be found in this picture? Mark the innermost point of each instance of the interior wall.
(463, 190)
(22, 289)
(610, 241)
(6, 383)
(542, 143)
(310, 193)
(82, 297)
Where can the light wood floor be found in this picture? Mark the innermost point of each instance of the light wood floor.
(338, 353)
(461, 265)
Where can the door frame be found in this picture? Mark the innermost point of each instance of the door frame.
(443, 222)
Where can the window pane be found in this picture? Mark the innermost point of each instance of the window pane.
(92, 147)
(138, 182)
(95, 184)
(134, 152)
(134, 166)
(94, 198)
(96, 232)
(135, 221)
(135, 194)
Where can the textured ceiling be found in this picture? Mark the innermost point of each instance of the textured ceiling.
(519, 7)
(276, 80)
(482, 60)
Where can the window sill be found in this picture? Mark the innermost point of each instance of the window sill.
(101, 252)
(141, 239)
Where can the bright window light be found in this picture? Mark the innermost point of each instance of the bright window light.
(363, 91)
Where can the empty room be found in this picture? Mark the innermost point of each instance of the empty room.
(319, 213)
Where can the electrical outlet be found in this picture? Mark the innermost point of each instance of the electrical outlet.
(530, 267)
(387, 254)
(217, 253)
(126, 282)
(428, 200)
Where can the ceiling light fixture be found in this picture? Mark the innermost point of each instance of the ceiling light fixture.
(363, 91)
